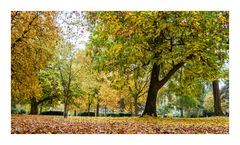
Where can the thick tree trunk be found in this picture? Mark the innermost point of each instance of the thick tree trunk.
(136, 105)
(75, 113)
(34, 106)
(155, 85)
(150, 107)
(217, 99)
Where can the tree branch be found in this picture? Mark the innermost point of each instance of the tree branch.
(172, 71)
(47, 99)
(25, 31)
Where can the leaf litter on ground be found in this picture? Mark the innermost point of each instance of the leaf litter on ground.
(40, 124)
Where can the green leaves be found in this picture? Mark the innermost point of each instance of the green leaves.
(159, 35)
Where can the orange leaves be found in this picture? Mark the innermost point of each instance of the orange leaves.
(33, 36)
(26, 124)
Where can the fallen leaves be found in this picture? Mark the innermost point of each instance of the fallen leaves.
(36, 124)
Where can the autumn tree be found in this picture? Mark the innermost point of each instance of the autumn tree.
(137, 88)
(162, 42)
(69, 45)
(68, 67)
(51, 91)
(33, 39)
(108, 95)
(209, 101)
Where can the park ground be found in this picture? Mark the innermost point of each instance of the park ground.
(40, 124)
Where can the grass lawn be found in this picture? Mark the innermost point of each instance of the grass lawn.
(36, 124)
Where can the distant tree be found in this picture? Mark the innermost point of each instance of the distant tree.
(68, 67)
(224, 94)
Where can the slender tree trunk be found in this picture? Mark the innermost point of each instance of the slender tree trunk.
(181, 113)
(217, 99)
(65, 113)
(88, 109)
(13, 105)
(41, 108)
(131, 105)
(105, 110)
(97, 109)
(136, 105)
(34, 106)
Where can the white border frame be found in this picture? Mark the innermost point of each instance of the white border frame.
(6, 6)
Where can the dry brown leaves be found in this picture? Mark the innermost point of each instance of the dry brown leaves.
(36, 124)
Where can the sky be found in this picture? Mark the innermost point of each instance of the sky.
(74, 28)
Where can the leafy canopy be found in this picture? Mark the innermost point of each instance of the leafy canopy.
(33, 40)
(124, 41)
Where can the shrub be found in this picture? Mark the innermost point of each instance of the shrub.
(208, 113)
(60, 113)
(125, 114)
(14, 111)
(86, 114)
(17, 111)
(113, 115)
(119, 114)
(21, 111)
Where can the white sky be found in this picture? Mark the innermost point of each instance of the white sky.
(73, 28)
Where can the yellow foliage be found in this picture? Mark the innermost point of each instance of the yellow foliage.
(33, 40)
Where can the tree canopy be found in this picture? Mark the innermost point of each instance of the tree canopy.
(118, 61)
(33, 42)
(161, 42)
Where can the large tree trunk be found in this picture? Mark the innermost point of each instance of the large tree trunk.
(34, 106)
(217, 99)
(136, 105)
(155, 85)
(150, 107)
